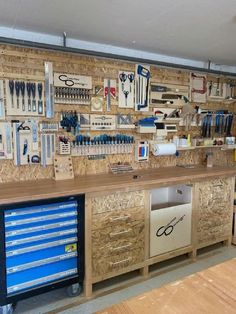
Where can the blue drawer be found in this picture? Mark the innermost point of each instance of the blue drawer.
(42, 245)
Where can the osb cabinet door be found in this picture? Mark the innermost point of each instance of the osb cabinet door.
(214, 208)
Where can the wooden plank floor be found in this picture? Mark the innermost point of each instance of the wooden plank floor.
(210, 291)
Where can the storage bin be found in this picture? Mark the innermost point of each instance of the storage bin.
(170, 219)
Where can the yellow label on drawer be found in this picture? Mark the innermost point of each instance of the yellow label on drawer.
(71, 248)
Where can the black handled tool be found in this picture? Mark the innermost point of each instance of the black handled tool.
(11, 87)
(206, 125)
(123, 78)
(126, 93)
(40, 102)
(209, 120)
(131, 79)
(22, 89)
(28, 87)
(17, 88)
(33, 91)
(222, 118)
(228, 124)
(217, 123)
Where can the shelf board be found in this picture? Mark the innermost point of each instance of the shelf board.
(222, 147)
(185, 148)
(228, 147)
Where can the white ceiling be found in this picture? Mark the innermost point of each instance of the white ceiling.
(194, 29)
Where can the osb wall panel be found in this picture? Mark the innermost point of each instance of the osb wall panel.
(214, 210)
(25, 63)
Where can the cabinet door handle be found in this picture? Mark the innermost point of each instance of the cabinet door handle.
(120, 218)
(114, 264)
(114, 249)
(115, 234)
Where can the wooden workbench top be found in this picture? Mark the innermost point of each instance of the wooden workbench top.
(146, 179)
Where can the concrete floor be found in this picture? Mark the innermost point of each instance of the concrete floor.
(169, 271)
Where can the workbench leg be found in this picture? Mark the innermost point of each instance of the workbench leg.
(144, 271)
(88, 289)
(193, 255)
(227, 242)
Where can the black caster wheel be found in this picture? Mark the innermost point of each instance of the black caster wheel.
(74, 290)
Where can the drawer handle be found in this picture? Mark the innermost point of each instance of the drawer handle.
(114, 249)
(114, 264)
(115, 234)
(120, 218)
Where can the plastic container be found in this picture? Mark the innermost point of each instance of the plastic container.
(210, 160)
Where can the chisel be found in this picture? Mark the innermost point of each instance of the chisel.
(218, 87)
(17, 88)
(11, 87)
(33, 91)
(208, 134)
(22, 89)
(40, 102)
(28, 87)
(204, 126)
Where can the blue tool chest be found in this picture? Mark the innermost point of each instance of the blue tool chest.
(42, 246)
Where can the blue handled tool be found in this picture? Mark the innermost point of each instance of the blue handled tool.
(142, 87)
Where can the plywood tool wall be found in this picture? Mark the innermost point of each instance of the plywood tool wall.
(28, 64)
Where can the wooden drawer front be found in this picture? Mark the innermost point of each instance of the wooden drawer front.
(214, 210)
(118, 217)
(119, 200)
(113, 263)
(114, 233)
(119, 246)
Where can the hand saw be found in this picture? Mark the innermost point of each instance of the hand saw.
(143, 74)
